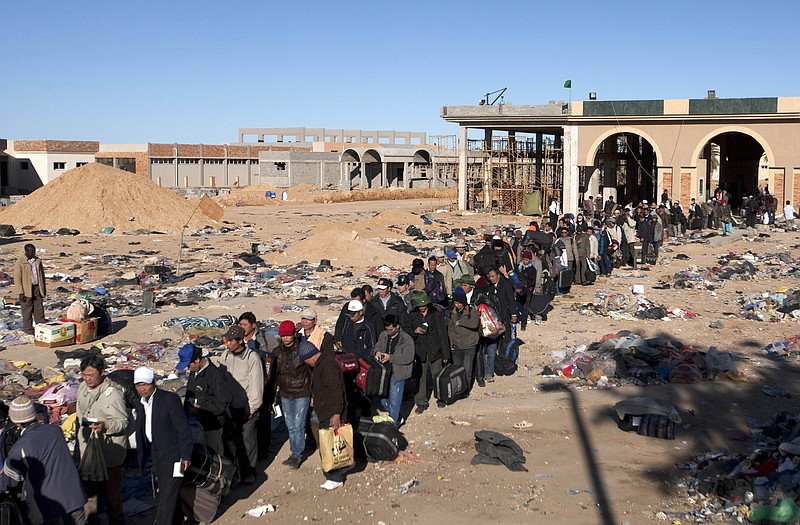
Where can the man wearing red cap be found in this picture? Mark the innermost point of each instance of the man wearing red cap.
(294, 386)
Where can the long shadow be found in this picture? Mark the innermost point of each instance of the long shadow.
(590, 460)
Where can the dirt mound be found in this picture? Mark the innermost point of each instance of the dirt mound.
(95, 196)
(345, 248)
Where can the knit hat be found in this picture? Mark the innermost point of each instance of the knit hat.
(527, 254)
(459, 296)
(143, 374)
(286, 328)
(22, 410)
(234, 332)
(306, 350)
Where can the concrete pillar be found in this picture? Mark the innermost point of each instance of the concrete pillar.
(321, 173)
(363, 175)
(462, 168)
(539, 147)
(384, 175)
(569, 201)
(487, 168)
(407, 176)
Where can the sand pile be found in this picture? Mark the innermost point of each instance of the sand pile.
(345, 248)
(95, 196)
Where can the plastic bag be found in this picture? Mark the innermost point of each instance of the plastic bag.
(336, 447)
(491, 326)
(93, 464)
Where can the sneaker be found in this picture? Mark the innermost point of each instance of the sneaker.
(421, 408)
(294, 463)
(248, 479)
(489, 379)
(331, 485)
(441, 404)
(481, 383)
(287, 461)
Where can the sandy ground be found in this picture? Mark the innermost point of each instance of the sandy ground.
(582, 468)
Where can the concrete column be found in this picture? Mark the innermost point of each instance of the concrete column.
(539, 147)
(363, 175)
(384, 175)
(321, 173)
(487, 169)
(462, 168)
(569, 201)
(407, 176)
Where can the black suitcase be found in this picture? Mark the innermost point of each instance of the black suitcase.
(381, 441)
(209, 471)
(565, 278)
(10, 511)
(589, 277)
(450, 383)
(200, 505)
(374, 377)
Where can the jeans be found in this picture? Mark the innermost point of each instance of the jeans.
(295, 412)
(394, 400)
(606, 263)
(491, 353)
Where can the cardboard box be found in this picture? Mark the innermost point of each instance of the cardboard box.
(65, 342)
(85, 331)
(54, 333)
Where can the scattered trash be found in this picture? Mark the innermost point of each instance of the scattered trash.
(405, 488)
(257, 512)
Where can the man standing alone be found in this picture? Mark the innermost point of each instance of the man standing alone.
(29, 286)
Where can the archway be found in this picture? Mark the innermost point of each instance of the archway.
(732, 161)
(626, 164)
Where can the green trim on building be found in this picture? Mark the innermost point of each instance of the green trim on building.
(608, 108)
(732, 106)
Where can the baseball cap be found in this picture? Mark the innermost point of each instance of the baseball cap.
(354, 306)
(402, 279)
(384, 283)
(308, 313)
(185, 356)
(450, 253)
(143, 374)
(234, 332)
(285, 328)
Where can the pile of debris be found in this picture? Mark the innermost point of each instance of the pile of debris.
(619, 306)
(771, 306)
(627, 358)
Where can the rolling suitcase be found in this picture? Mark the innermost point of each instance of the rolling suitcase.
(450, 383)
(373, 377)
(565, 278)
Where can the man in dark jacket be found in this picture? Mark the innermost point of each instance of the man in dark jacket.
(396, 347)
(294, 387)
(371, 315)
(502, 292)
(358, 336)
(163, 441)
(429, 331)
(434, 282)
(327, 391)
(388, 303)
(207, 394)
(40, 465)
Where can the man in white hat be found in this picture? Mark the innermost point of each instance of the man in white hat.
(164, 442)
(41, 465)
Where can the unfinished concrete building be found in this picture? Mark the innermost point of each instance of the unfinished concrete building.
(630, 149)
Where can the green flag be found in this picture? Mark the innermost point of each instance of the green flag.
(568, 84)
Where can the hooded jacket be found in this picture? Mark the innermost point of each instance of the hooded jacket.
(105, 403)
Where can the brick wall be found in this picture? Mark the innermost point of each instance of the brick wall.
(686, 186)
(666, 180)
(162, 150)
(58, 146)
(796, 192)
(779, 187)
(140, 157)
(210, 150)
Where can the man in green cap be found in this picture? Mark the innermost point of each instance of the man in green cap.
(431, 344)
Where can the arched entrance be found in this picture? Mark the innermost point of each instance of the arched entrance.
(626, 164)
(732, 161)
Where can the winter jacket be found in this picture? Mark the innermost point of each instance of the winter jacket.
(581, 246)
(40, 464)
(358, 338)
(434, 344)
(294, 375)
(104, 403)
(210, 391)
(245, 375)
(462, 327)
(371, 315)
(327, 388)
(504, 300)
(394, 306)
(23, 278)
(452, 273)
(401, 353)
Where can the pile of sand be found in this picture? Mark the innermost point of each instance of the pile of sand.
(95, 196)
(345, 248)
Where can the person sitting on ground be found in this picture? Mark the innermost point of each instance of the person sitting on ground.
(294, 388)
(395, 347)
(328, 395)
(39, 468)
(463, 330)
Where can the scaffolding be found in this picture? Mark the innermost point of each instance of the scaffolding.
(510, 168)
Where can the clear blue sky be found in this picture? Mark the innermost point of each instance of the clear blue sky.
(179, 71)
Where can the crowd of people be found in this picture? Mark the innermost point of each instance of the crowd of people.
(414, 323)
